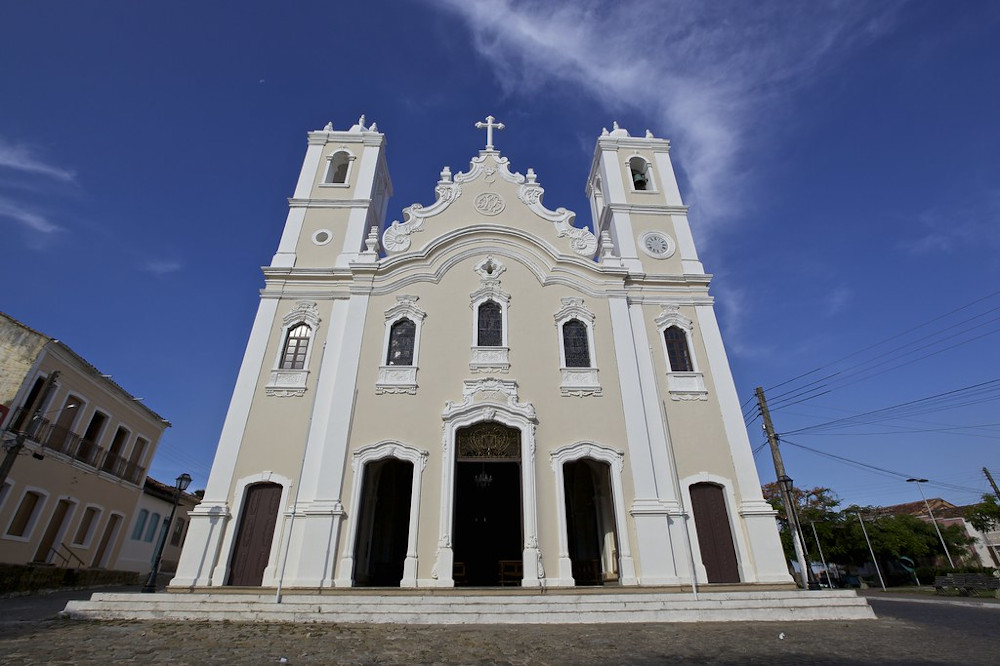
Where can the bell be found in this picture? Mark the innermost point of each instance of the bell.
(639, 180)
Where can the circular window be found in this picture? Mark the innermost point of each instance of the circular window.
(657, 244)
(322, 237)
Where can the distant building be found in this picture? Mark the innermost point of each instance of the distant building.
(985, 546)
(76, 447)
(487, 393)
(148, 525)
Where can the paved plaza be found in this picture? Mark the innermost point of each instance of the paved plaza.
(908, 631)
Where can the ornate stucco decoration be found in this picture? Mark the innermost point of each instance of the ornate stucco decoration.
(581, 241)
(499, 393)
(683, 386)
(396, 238)
(289, 383)
(490, 166)
(490, 359)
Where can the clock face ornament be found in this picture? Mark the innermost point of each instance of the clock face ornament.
(657, 245)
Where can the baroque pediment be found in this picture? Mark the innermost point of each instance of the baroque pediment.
(491, 169)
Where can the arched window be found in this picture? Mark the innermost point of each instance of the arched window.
(575, 344)
(490, 325)
(296, 345)
(154, 522)
(401, 339)
(678, 354)
(639, 170)
(336, 173)
(140, 525)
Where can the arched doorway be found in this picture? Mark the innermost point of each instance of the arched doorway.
(383, 523)
(590, 522)
(489, 539)
(715, 536)
(255, 534)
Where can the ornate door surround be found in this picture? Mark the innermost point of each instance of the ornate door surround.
(485, 400)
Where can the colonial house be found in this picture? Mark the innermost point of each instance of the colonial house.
(76, 450)
(149, 528)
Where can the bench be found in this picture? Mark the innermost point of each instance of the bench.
(966, 584)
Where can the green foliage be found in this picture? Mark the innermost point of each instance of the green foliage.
(984, 516)
(843, 540)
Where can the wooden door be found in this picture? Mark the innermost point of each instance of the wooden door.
(715, 536)
(255, 533)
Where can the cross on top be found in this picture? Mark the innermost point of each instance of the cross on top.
(489, 125)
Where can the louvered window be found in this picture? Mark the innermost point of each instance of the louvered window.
(677, 350)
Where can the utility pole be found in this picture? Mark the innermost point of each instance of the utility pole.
(785, 484)
(989, 477)
(27, 429)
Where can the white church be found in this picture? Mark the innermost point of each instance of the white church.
(487, 393)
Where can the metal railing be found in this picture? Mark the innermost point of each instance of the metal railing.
(65, 557)
(62, 440)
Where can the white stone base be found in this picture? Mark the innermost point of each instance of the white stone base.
(495, 607)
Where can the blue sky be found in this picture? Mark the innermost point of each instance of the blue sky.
(840, 160)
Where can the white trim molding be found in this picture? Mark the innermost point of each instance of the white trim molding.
(743, 560)
(615, 460)
(221, 573)
(577, 381)
(400, 378)
(488, 399)
(327, 180)
(490, 359)
(687, 385)
(287, 382)
(363, 456)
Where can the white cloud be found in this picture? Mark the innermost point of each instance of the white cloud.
(838, 300)
(31, 219)
(707, 73)
(161, 267)
(21, 158)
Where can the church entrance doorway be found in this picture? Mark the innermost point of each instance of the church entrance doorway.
(255, 533)
(590, 522)
(489, 540)
(715, 537)
(383, 523)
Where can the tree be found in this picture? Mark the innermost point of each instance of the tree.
(984, 516)
(816, 505)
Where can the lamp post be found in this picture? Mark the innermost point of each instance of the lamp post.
(183, 481)
(933, 519)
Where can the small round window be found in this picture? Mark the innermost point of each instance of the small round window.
(322, 237)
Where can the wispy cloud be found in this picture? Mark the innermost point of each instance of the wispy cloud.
(23, 159)
(838, 300)
(707, 73)
(972, 221)
(28, 217)
(161, 267)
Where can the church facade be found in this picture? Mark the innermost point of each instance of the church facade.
(486, 393)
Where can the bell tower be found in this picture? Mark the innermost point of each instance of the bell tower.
(342, 192)
(634, 196)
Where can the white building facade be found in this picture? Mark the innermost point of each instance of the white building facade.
(485, 393)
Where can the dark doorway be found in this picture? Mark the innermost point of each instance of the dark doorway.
(254, 534)
(53, 532)
(488, 538)
(383, 523)
(590, 522)
(110, 532)
(715, 537)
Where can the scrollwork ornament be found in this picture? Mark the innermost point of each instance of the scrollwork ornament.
(489, 203)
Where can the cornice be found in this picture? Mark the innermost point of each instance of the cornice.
(614, 143)
(651, 209)
(329, 203)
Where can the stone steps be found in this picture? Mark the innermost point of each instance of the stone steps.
(479, 608)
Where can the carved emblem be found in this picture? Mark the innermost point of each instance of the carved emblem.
(489, 440)
(490, 203)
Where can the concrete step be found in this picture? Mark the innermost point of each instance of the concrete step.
(478, 608)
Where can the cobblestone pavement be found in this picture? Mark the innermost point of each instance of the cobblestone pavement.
(906, 633)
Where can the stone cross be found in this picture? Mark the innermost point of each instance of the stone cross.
(489, 125)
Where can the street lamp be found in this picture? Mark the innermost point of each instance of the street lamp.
(183, 481)
(933, 519)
